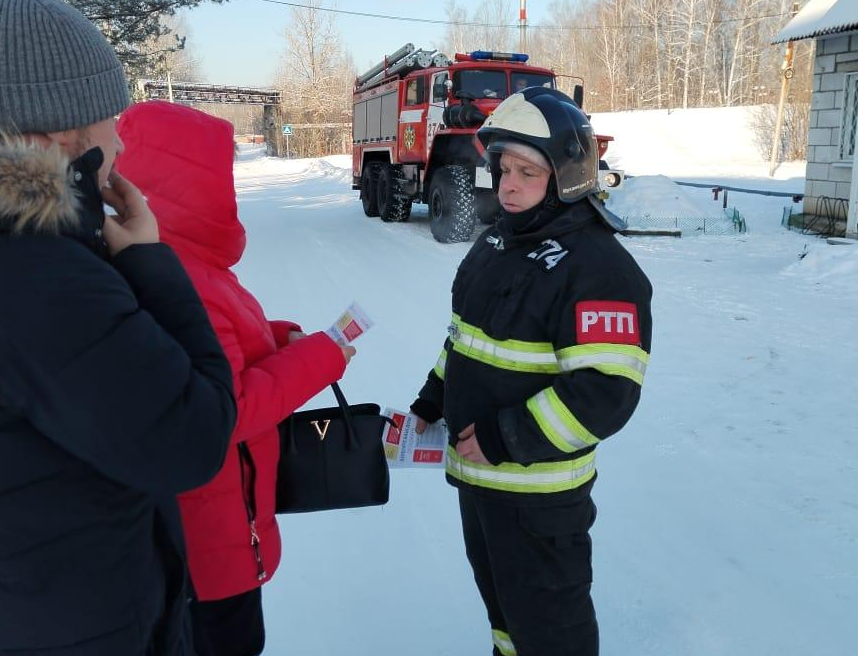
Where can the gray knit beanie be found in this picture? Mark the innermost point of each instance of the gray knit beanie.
(57, 71)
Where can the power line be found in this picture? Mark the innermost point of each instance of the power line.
(431, 21)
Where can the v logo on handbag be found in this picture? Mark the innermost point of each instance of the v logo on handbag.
(321, 431)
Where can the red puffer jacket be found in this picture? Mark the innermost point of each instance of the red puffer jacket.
(182, 160)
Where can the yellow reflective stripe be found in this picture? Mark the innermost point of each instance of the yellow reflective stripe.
(558, 423)
(503, 643)
(515, 344)
(511, 354)
(541, 357)
(440, 364)
(540, 477)
(610, 359)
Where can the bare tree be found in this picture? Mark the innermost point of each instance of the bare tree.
(611, 15)
(687, 10)
(456, 35)
(246, 119)
(795, 130)
(650, 13)
(710, 9)
(557, 45)
(491, 34)
(173, 52)
(316, 80)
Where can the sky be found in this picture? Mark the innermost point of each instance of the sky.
(241, 42)
(727, 506)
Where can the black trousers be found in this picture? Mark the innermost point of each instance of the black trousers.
(533, 570)
(229, 627)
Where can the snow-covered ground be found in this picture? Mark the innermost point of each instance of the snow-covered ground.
(727, 507)
(714, 146)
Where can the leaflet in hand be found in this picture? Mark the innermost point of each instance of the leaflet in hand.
(406, 448)
(353, 323)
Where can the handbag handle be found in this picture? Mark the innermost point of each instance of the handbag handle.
(351, 433)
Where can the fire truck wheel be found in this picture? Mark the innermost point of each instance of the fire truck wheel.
(486, 206)
(452, 205)
(392, 206)
(369, 176)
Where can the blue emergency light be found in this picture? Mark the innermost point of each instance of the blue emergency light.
(499, 56)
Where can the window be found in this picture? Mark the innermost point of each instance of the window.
(482, 83)
(440, 93)
(848, 132)
(415, 91)
(520, 81)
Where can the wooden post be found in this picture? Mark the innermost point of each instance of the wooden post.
(787, 73)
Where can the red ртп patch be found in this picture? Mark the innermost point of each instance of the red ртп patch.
(612, 322)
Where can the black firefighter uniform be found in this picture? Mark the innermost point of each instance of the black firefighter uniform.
(547, 349)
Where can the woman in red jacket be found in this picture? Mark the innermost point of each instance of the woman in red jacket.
(182, 160)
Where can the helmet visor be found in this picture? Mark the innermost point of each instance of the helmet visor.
(520, 150)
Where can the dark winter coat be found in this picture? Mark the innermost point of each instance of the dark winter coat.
(546, 354)
(182, 160)
(114, 396)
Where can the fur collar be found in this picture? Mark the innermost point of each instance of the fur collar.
(36, 192)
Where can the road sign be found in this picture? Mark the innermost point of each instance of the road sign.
(287, 130)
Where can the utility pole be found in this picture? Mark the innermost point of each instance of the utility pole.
(523, 25)
(169, 87)
(787, 72)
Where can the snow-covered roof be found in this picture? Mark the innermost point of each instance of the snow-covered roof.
(820, 17)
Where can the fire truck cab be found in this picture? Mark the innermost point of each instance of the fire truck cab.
(414, 131)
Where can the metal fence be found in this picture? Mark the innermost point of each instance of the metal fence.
(827, 219)
(730, 224)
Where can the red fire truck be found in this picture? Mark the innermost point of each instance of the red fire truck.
(415, 115)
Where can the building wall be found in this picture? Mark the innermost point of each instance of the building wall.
(826, 174)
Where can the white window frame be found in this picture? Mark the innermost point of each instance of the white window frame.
(849, 104)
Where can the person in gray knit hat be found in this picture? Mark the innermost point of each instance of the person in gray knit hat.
(58, 74)
(115, 393)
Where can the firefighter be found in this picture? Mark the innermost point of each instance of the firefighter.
(545, 358)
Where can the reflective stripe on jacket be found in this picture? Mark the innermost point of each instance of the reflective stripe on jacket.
(549, 352)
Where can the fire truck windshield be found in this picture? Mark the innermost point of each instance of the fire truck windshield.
(494, 84)
(482, 84)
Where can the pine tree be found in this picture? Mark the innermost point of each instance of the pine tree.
(133, 26)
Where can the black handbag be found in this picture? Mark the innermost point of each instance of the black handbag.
(332, 458)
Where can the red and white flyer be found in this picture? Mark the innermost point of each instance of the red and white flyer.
(406, 448)
(353, 323)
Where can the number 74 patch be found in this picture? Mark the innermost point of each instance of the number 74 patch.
(549, 253)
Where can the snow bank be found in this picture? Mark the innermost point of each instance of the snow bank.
(690, 143)
(248, 152)
(642, 199)
(820, 261)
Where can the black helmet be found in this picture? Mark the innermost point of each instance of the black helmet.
(550, 121)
